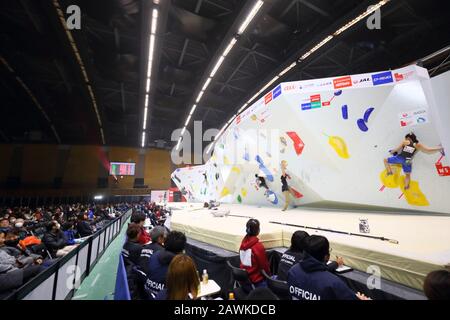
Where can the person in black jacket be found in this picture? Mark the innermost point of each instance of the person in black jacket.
(293, 255)
(158, 236)
(296, 253)
(55, 241)
(83, 227)
(131, 250)
(310, 279)
(160, 261)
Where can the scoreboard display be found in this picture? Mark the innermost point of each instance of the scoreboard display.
(122, 168)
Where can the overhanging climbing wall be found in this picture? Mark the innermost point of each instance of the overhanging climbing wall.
(334, 134)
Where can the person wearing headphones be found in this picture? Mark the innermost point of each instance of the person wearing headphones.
(253, 255)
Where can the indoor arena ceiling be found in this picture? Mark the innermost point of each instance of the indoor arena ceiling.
(88, 86)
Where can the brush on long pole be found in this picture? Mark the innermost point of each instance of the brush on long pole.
(337, 231)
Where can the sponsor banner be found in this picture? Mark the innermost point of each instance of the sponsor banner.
(277, 92)
(268, 98)
(413, 118)
(382, 78)
(361, 80)
(403, 76)
(343, 82)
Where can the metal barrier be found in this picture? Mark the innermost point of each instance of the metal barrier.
(61, 279)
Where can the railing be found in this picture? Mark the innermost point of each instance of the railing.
(61, 279)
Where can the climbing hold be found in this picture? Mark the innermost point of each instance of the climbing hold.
(339, 145)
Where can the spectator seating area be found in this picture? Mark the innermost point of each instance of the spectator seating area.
(306, 271)
(37, 245)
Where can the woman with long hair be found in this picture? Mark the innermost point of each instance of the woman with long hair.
(182, 281)
(285, 189)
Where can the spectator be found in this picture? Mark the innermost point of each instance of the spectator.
(131, 250)
(310, 280)
(182, 280)
(4, 225)
(55, 241)
(296, 253)
(139, 219)
(83, 227)
(293, 255)
(69, 233)
(437, 285)
(158, 236)
(253, 255)
(159, 263)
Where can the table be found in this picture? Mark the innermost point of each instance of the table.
(208, 289)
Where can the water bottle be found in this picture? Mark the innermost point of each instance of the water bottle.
(205, 276)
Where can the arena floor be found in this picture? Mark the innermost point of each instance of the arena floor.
(423, 240)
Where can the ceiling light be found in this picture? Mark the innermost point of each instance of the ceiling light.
(187, 120)
(316, 47)
(250, 16)
(207, 82)
(178, 144)
(147, 87)
(229, 47)
(143, 139)
(216, 67)
(287, 69)
(193, 109)
(200, 95)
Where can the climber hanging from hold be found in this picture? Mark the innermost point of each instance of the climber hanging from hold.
(404, 154)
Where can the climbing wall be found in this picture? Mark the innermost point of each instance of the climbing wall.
(334, 134)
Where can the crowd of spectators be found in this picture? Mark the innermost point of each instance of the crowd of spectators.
(33, 239)
(160, 270)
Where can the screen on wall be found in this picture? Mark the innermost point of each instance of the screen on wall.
(121, 168)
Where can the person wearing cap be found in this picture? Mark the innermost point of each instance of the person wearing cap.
(158, 236)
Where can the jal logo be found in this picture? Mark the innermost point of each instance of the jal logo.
(363, 80)
(343, 82)
(382, 78)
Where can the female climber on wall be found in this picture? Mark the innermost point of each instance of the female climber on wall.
(404, 154)
(284, 185)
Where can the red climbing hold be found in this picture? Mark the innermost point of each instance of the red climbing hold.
(298, 143)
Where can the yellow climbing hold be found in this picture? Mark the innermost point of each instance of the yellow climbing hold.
(225, 192)
(244, 192)
(236, 169)
(339, 145)
(253, 117)
(393, 180)
(413, 194)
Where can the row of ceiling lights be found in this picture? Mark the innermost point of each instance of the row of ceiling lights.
(151, 51)
(251, 15)
(81, 64)
(302, 58)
